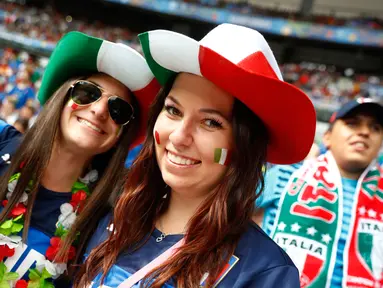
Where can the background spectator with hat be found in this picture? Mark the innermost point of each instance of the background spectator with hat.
(327, 212)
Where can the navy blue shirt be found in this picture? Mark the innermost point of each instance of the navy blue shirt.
(257, 261)
(45, 212)
(10, 140)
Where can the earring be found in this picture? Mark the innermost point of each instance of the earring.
(166, 194)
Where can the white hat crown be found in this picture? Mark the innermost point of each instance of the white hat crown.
(236, 43)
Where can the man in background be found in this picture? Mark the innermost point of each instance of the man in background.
(327, 213)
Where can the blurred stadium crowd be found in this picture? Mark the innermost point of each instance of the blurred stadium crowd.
(278, 10)
(49, 25)
(20, 73)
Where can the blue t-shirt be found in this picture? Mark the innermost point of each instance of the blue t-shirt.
(275, 182)
(257, 261)
(45, 211)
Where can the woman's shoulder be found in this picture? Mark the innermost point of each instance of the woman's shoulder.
(10, 140)
(259, 262)
(261, 250)
(7, 131)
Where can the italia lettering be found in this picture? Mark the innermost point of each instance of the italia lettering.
(293, 243)
(319, 251)
(301, 243)
(370, 226)
(284, 241)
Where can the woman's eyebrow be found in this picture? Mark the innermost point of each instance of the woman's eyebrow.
(174, 100)
(213, 111)
(203, 110)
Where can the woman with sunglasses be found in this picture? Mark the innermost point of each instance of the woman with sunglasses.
(184, 218)
(55, 182)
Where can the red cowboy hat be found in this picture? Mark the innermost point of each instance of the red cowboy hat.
(239, 60)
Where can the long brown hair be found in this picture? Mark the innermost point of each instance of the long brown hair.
(34, 153)
(213, 231)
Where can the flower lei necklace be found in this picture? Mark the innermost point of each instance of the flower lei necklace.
(41, 276)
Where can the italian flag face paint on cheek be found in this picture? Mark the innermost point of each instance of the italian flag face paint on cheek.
(157, 136)
(222, 156)
(73, 105)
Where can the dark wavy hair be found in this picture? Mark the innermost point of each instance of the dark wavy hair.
(215, 228)
(35, 151)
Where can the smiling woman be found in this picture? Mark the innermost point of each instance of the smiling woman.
(55, 181)
(87, 120)
(192, 102)
(184, 218)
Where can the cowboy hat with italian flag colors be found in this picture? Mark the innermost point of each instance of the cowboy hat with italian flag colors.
(78, 54)
(239, 60)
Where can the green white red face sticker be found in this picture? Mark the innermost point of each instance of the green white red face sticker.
(157, 136)
(72, 105)
(222, 156)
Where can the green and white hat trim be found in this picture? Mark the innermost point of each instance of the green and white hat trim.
(78, 54)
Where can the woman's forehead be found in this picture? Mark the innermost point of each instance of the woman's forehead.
(196, 91)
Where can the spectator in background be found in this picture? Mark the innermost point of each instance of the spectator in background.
(23, 89)
(327, 214)
(21, 125)
(328, 86)
(8, 109)
(27, 112)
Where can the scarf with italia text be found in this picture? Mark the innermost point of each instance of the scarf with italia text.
(308, 225)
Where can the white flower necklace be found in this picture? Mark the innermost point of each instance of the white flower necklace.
(10, 230)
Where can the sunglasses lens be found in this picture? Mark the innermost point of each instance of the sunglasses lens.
(84, 93)
(120, 110)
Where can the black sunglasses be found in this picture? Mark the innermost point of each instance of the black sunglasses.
(84, 93)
